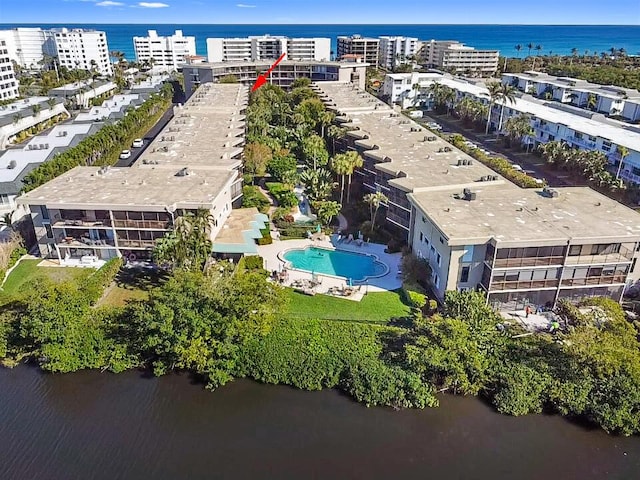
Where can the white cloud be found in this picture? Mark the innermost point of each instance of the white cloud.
(152, 5)
(108, 3)
(244, 5)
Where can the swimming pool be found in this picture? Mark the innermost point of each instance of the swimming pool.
(355, 266)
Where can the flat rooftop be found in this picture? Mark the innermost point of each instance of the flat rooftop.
(267, 63)
(39, 148)
(240, 230)
(127, 188)
(405, 149)
(511, 214)
(206, 132)
(113, 105)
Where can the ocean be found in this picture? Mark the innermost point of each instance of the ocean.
(555, 39)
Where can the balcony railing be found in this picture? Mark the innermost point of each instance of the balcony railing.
(528, 262)
(123, 243)
(621, 257)
(84, 242)
(82, 222)
(604, 280)
(526, 284)
(141, 224)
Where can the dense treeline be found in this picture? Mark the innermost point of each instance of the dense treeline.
(225, 324)
(104, 146)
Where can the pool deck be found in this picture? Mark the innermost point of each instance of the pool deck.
(390, 281)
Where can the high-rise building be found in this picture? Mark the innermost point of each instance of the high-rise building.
(366, 48)
(396, 50)
(27, 46)
(8, 81)
(458, 57)
(267, 47)
(164, 52)
(83, 49)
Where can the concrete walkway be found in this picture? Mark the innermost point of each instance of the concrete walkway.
(390, 281)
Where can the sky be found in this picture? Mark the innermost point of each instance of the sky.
(564, 12)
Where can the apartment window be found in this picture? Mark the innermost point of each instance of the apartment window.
(575, 250)
(421, 237)
(606, 145)
(45, 212)
(47, 226)
(439, 259)
(436, 281)
(464, 274)
(442, 240)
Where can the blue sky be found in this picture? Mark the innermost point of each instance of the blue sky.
(622, 12)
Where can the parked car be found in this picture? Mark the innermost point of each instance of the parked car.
(517, 167)
(539, 181)
(434, 126)
(137, 143)
(125, 154)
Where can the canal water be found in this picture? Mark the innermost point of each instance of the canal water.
(129, 426)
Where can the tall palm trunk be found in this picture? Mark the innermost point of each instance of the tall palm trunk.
(500, 120)
(342, 188)
(488, 118)
(348, 190)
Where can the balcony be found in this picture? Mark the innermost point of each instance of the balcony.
(84, 222)
(622, 257)
(604, 280)
(84, 242)
(523, 285)
(583, 142)
(528, 262)
(143, 224)
(123, 243)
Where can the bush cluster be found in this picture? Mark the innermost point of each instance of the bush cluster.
(283, 194)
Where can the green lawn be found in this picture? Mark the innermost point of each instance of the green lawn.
(131, 285)
(27, 271)
(376, 307)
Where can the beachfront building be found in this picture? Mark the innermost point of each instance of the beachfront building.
(267, 47)
(164, 53)
(397, 50)
(27, 46)
(475, 228)
(8, 82)
(83, 94)
(282, 75)
(456, 57)
(368, 49)
(409, 89)
(91, 214)
(607, 99)
(83, 49)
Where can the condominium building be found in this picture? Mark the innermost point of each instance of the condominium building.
(27, 46)
(282, 75)
(8, 82)
(456, 57)
(368, 49)
(82, 94)
(83, 49)
(194, 163)
(267, 47)
(22, 115)
(164, 53)
(550, 120)
(475, 228)
(397, 50)
(608, 99)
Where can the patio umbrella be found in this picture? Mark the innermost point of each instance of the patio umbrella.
(318, 228)
(350, 282)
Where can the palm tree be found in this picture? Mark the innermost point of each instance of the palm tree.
(494, 95)
(416, 89)
(335, 132)
(506, 93)
(340, 167)
(326, 119)
(530, 47)
(16, 118)
(518, 48)
(375, 200)
(592, 101)
(36, 108)
(51, 102)
(353, 161)
(622, 153)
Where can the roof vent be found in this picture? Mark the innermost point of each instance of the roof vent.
(550, 192)
(468, 194)
(12, 164)
(183, 172)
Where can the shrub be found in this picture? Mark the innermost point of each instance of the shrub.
(283, 194)
(282, 213)
(95, 284)
(520, 390)
(266, 237)
(253, 197)
(253, 262)
(414, 299)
